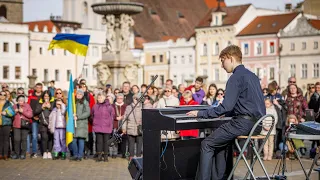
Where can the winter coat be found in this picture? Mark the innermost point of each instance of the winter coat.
(168, 101)
(315, 104)
(43, 114)
(26, 114)
(103, 115)
(119, 111)
(133, 120)
(83, 113)
(297, 106)
(267, 122)
(7, 119)
(190, 132)
(57, 118)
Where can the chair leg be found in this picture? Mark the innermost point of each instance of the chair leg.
(241, 155)
(260, 161)
(250, 169)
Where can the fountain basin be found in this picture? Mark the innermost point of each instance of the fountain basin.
(117, 8)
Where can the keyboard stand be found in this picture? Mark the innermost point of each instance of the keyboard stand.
(304, 137)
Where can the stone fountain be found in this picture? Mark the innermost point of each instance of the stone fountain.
(117, 64)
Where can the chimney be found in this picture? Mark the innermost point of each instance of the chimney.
(288, 7)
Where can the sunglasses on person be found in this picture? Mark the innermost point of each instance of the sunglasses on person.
(5, 87)
(58, 92)
(167, 91)
(292, 81)
(220, 94)
(3, 94)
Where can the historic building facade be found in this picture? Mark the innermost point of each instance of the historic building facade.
(14, 54)
(300, 53)
(217, 30)
(12, 10)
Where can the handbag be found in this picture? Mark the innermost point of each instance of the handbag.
(139, 127)
(25, 123)
(45, 121)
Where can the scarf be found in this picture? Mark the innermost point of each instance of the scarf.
(118, 108)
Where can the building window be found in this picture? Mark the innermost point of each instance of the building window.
(3, 11)
(304, 45)
(292, 70)
(182, 60)
(229, 43)
(217, 20)
(34, 72)
(68, 74)
(40, 50)
(151, 78)
(271, 73)
(315, 45)
(5, 47)
(216, 48)
(85, 71)
(190, 59)
(94, 73)
(18, 72)
(246, 48)
(161, 80)
(216, 74)
(205, 72)
(5, 72)
(161, 58)
(53, 52)
(259, 48)
(85, 8)
(259, 73)
(292, 47)
(304, 71)
(45, 75)
(95, 51)
(153, 59)
(65, 52)
(18, 49)
(175, 60)
(316, 70)
(271, 46)
(57, 75)
(205, 50)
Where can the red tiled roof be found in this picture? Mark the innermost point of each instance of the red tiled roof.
(214, 4)
(315, 23)
(166, 38)
(165, 18)
(138, 42)
(51, 23)
(233, 14)
(268, 24)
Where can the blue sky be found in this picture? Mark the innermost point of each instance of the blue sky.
(35, 10)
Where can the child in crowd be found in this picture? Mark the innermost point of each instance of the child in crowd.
(57, 126)
(292, 119)
(267, 123)
(188, 101)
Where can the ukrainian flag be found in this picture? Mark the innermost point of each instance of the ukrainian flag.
(71, 109)
(74, 43)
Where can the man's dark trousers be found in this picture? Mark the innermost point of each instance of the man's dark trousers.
(213, 157)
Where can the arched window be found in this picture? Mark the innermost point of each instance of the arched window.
(3, 11)
(205, 49)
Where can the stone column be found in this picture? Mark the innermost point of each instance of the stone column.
(32, 81)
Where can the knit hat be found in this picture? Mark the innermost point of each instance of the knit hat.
(80, 91)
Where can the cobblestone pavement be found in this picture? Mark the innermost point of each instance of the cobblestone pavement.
(115, 169)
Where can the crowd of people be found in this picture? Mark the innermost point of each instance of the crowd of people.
(35, 123)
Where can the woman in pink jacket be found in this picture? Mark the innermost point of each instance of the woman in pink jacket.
(23, 113)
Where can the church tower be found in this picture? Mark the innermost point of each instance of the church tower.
(12, 10)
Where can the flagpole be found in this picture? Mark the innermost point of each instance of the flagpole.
(84, 62)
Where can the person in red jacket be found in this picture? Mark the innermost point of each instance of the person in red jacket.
(188, 101)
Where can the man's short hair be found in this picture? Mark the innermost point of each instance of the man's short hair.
(171, 81)
(126, 82)
(52, 81)
(233, 51)
(199, 79)
(39, 84)
(143, 85)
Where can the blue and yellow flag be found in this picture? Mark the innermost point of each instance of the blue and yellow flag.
(74, 43)
(71, 109)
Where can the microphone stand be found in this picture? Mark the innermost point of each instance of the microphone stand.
(116, 136)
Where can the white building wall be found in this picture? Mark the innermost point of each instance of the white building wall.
(14, 33)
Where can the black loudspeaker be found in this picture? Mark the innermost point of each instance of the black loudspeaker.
(135, 168)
